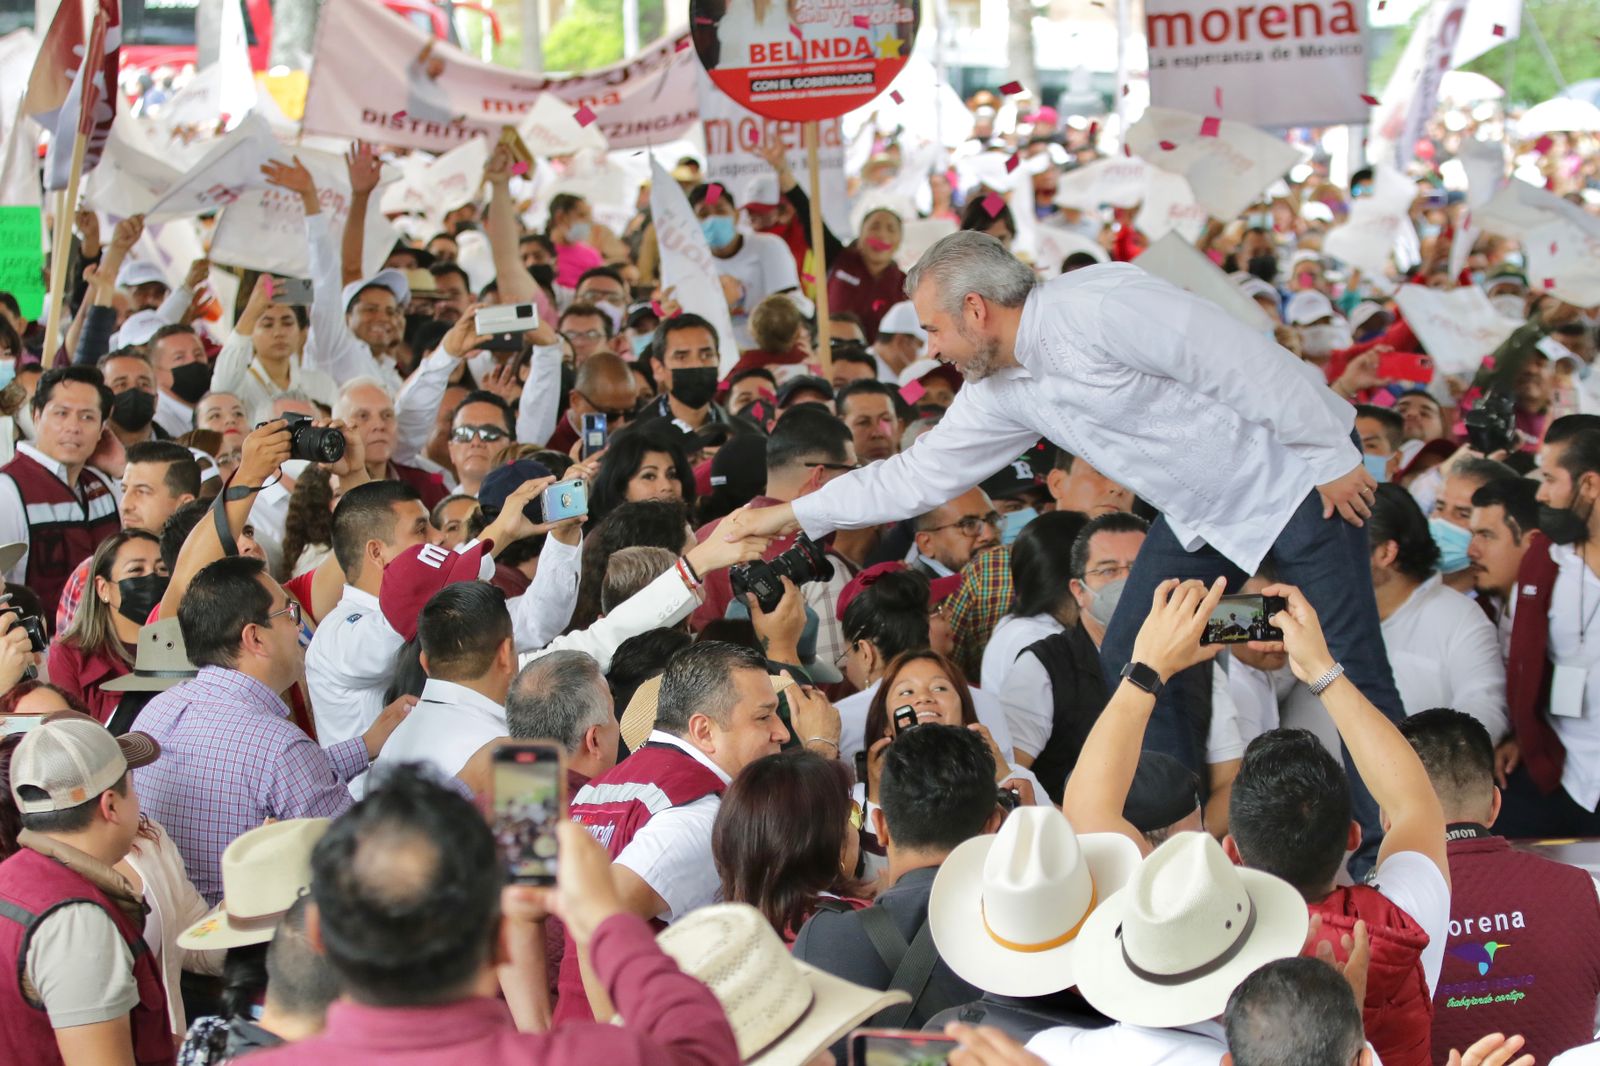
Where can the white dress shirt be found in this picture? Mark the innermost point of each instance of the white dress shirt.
(173, 415)
(238, 371)
(1267, 700)
(666, 601)
(1010, 637)
(1445, 653)
(672, 851)
(1216, 426)
(330, 346)
(540, 614)
(14, 515)
(1201, 1044)
(348, 666)
(446, 728)
(1577, 589)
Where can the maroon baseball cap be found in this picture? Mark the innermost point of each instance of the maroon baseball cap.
(411, 579)
(942, 587)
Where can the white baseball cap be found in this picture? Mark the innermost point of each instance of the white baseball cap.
(388, 278)
(1306, 306)
(138, 273)
(137, 329)
(72, 758)
(902, 318)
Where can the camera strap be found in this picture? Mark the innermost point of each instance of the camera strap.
(219, 514)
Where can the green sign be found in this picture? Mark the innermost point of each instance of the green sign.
(22, 259)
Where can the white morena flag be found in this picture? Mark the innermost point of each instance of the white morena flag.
(1120, 181)
(1487, 24)
(1054, 243)
(1377, 223)
(687, 266)
(265, 229)
(431, 187)
(1412, 94)
(1169, 204)
(1484, 163)
(1560, 240)
(19, 137)
(228, 171)
(1458, 327)
(134, 172)
(1227, 164)
(548, 129)
(236, 88)
(1181, 263)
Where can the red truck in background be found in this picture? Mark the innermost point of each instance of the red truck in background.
(161, 33)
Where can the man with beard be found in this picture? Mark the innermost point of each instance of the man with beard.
(1245, 455)
(1549, 770)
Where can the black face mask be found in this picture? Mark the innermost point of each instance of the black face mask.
(140, 596)
(544, 274)
(694, 386)
(1264, 267)
(191, 381)
(1564, 525)
(133, 409)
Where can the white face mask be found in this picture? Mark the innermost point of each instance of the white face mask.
(1508, 304)
(1325, 339)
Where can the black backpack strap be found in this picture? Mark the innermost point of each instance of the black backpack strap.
(911, 964)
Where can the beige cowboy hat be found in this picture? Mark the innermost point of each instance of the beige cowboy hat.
(1173, 944)
(263, 872)
(1007, 908)
(781, 1010)
(159, 662)
(640, 717)
(11, 553)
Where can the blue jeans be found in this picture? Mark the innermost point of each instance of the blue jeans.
(1328, 560)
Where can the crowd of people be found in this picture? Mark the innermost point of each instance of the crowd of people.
(882, 674)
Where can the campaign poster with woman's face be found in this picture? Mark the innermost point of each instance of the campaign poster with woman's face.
(803, 60)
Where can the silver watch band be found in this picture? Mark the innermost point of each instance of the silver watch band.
(1320, 684)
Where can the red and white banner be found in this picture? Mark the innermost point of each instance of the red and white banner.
(401, 91)
(56, 87)
(1412, 94)
(1275, 64)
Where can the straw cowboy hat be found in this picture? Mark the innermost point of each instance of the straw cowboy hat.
(640, 717)
(1007, 908)
(263, 872)
(1173, 944)
(781, 1010)
(159, 663)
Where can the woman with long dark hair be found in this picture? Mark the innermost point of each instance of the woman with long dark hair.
(644, 461)
(126, 581)
(787, 867)
(1042, 603)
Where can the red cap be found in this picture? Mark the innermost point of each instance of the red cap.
(942, 588)
(410, 581)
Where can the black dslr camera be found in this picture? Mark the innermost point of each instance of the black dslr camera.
(314, 444)
(1492, 423)
(32, 625)
(802, 563)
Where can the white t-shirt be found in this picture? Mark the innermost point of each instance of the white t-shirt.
(1411, 881)
(1587, 1055)
(1132, 1045)
(1013, 634)
(1445, 653)
(763, 265)
(672, 851)
(70, 966)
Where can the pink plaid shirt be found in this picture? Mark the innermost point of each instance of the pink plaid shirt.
(230, 759)
(71, 596)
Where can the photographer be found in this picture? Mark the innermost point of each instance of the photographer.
(17, 654)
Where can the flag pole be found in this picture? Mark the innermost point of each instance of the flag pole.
(87, 100)
(819, 254)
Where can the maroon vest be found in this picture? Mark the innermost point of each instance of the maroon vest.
(429, 485)
(1397, 1012)
(1528, 670)
(32, 886)
(64, 526)
(1523, 954)
(614, 807)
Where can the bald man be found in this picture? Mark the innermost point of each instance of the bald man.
(605, 386)
(364, 405)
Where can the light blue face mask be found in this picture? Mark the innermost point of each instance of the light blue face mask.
(578, 232)
(1452, 541)
(8, 371)
(718, 230)
(1011, 524)
(641, 343)
(1377, 466)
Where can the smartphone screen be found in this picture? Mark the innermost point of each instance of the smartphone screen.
(1241, 618)
(293, 291)
(890, 1047)
(594, 434)
(529, 800)
(565, 499)
(904, 718)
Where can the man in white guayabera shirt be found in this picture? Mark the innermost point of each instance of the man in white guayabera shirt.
(1247, 455)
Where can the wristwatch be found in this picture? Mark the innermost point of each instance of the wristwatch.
(1144, 677)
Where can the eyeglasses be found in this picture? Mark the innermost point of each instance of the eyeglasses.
(576, 335)
(838, 466)
(613, 298)
(970, 525)
(612, 415)
(1110, 573)
(292, 609)
(487, 434)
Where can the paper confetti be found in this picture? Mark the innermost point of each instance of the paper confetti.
(1369, 99)
(1210, 126)
(894, 94)
(399, 114)
(993, 204)
(809, 279)
(1219, 97)
(583, 115)
(519, 168)
(1552, 247)
(1167, 146)
(1012, 164)
(877, 305)
(701, 20)
(1549, 283)
(1125, 90)
(713, 193)
(911, 392)
(1543, 144)
(862, 22)
(683, 43)
(1094, 129)
(1011, 88)
(1499, 30)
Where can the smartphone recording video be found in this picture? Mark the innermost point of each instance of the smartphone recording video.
(899, 1047)
(529, 797)
(1242, 618)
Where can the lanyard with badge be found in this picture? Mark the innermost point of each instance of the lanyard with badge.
(1569, 682)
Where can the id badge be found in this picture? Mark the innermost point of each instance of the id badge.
(1567, 687)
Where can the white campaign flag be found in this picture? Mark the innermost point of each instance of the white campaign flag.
(1187, 267)
(228, 171)
(1484, 163)
(1412, 94)
(1458, 327)
(431, 187)
(265, 229)
(1560, 240)
(1376, 223)
(548, 129)
(133, 173)
(1054, 243)
(1120, 181)
(236, 87)
(1488, 24)
(1227, 167)
(687, 265)
(19, 137)
(1169, 204)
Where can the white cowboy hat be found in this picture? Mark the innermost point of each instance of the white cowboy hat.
(263, 872)
(1173, 944)
(1007, 908)
(781, 1010)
